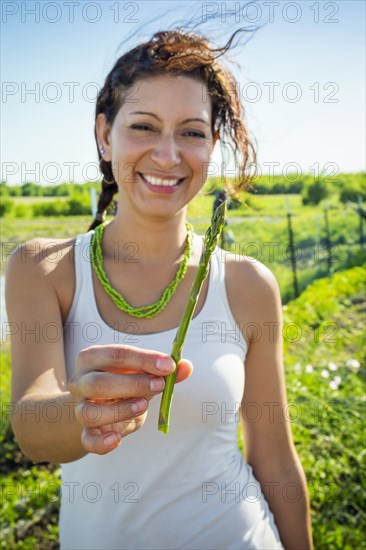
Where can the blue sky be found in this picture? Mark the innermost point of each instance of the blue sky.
(310, 50)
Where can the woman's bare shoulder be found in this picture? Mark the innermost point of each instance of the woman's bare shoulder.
(241, 269)
(43, 263)
(42, 253)
(251, 287)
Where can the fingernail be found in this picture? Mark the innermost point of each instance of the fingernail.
(139, 405)
(112, 440)
(157, 384)
(165, 364)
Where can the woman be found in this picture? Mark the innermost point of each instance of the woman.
(125, 484)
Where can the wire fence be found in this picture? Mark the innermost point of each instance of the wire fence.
(316, 259)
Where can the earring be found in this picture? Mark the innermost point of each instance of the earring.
(101, 149)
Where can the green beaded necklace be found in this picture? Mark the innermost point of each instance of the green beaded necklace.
(145, 312)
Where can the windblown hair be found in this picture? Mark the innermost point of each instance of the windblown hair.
(178, 52)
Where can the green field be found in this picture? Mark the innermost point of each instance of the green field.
(325, 368)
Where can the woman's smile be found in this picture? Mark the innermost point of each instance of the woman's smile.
(161, 185)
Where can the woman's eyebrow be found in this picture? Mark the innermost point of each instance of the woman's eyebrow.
(158, 118)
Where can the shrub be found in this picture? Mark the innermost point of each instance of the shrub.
(21, 211)
(53, 208)
(351, 191)
(4, 191)
(313, 193)
(78, 205)
(30, 189)
(6, 206)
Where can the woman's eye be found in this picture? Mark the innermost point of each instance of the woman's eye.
(147, 128)
(193, 133)
(142, 127)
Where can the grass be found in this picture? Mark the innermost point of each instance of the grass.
(35, 200)
(326, 384)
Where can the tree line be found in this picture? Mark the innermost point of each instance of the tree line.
(74, 198)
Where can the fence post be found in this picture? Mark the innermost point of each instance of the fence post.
(292, 249)
(93, 202)
(361, 221)
(328, 244)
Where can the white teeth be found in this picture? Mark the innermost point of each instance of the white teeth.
(157, 181)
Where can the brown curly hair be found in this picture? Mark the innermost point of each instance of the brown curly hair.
(183, 53)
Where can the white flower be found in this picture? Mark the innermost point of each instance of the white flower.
(332, 366)
(353, 363)
(325, 373)
(309, 368)
(303, 388)
(297, 368)
(333, 384)
(337, 379)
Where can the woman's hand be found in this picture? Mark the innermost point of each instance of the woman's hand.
(112, 385)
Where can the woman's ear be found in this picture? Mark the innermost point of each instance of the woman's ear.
(103, 130)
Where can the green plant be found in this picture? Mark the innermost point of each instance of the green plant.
(6, 205)
(314, 192)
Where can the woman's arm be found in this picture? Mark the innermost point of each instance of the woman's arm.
(43, 417)
(268, 442)
(51, 416)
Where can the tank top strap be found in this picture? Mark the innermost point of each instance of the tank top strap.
(217, 305)
(216, 296)
(84, 260)
(83, 274)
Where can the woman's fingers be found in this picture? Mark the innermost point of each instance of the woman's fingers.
(106, 385)
(99, 415)
(123, 359)
(94, 441)
(184, 371)
(112, 385)
(99, 369)
(107, 438)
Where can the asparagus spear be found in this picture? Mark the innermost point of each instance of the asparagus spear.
(211, 237)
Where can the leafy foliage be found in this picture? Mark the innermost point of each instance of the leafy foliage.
(6, 206)
(352, 190)
(314, 193)
(325, 374)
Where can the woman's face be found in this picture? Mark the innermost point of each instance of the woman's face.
(160, 144)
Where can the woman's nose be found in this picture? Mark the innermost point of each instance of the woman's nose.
(166, 152)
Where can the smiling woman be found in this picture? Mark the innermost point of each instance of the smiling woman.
(163, 107)
(208, 108)
(161, 152)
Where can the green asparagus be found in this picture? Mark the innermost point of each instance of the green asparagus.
(210, 242)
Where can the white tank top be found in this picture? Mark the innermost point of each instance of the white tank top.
(191, 488)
